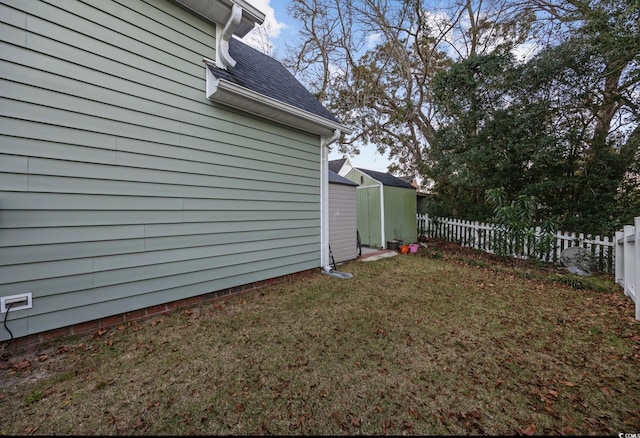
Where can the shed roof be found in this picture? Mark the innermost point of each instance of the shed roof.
(387, 179)
(337, 179)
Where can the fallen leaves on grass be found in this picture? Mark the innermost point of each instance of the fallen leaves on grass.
(528, 431)
(410, 346)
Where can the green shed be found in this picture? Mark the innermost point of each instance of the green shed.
(386, 208)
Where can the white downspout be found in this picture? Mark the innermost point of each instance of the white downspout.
(382, 236)
(223, 58)
(324, 200)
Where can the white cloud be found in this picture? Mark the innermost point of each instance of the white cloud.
(524, 52)
(262, 36)
(275, 26)
(373, 40)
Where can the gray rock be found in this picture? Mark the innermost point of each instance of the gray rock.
(578, 271)
(578, 260)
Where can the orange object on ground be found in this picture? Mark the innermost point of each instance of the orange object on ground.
(404, 249)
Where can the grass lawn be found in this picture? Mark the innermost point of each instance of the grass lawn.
(442, 342)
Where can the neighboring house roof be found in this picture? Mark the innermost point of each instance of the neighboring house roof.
(411, 180)
(266, 77)
(337, 179)
(336, 165)
(386, 178)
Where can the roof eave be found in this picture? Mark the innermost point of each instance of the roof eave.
(233, 95)
(219, 11)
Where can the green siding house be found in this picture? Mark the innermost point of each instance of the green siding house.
(386, 208)
(148, 157)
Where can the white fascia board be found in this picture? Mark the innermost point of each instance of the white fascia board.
(236, 96)
(219, 11)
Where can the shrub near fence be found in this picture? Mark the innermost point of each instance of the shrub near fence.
(484, 236)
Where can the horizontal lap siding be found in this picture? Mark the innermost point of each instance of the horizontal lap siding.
(121, 185)
(343, 229)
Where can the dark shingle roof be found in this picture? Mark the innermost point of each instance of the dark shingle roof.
(336, 165)
(407, 178)
(337, 179)
(261, 73)
(386, 178)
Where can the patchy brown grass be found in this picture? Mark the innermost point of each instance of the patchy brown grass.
(446, 341)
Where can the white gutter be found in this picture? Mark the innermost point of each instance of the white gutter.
(237, 96)
(324, 199)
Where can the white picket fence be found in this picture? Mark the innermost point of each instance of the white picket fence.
(482, 236)
(619, 256)
(627, 256)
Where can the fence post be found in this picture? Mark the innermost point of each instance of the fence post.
(596, 250)
(607, 256)
(627, 274)
(636, 268)
(619, 247)
(476, 235)
(627, 249)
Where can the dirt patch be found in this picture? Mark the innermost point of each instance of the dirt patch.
(28, 367)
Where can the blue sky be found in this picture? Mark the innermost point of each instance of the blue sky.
(282, 29)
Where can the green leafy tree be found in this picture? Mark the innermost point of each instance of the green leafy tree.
(558, 128)
(591, 81)
(491, 139)
(437, 86)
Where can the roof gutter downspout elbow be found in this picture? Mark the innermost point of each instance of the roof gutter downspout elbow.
(329, 141)
(223, 58)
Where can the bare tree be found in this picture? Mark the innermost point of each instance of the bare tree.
(259, 38)
(323, 40)
(372, 62)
